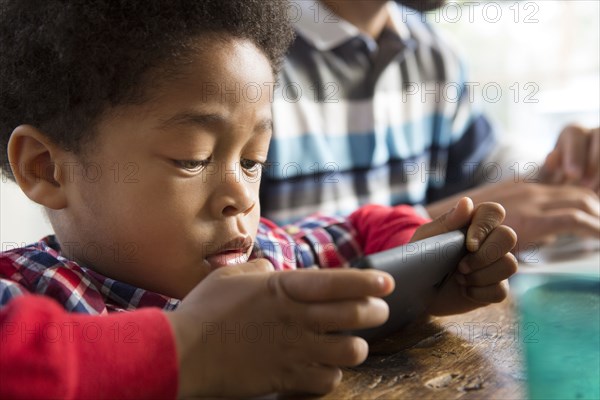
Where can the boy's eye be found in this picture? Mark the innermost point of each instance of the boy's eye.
(191, 165)
(250, 164)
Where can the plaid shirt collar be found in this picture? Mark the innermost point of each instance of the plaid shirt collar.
(40, 268)
(43, 270)
(325, 30)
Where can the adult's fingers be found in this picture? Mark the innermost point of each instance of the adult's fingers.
(573, 144)
(591, 177)
(552, 169)
(331, 285)
(572, 197)
(566, 220)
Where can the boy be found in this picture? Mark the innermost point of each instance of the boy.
(140, 127)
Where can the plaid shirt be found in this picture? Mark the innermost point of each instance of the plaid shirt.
(318, 241)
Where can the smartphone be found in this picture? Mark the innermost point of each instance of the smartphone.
(420, 269)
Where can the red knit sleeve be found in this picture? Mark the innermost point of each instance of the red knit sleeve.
(380, 227)
(46, 352)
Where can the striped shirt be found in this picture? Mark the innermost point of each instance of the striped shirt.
(359, 121)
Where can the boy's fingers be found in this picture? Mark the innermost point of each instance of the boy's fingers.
(253, 266)
(488, 294)
(493, 273)
(486, 217)
(331, 285)
(454, 219)
(498, 243)
(344, 315)
(313, 378)
(340, 350)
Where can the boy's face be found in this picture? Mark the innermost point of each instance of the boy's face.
(169, 190)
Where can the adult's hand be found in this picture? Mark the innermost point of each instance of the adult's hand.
(575, 160)
(537, 212)
(246, 330)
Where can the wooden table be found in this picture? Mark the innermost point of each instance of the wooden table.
(469, 356)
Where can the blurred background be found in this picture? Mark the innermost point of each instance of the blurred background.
(543, 55)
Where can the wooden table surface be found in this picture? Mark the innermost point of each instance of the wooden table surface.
(469, 356)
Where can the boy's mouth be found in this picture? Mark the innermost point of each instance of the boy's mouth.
(236, 251)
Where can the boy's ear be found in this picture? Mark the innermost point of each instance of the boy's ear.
(33, 159)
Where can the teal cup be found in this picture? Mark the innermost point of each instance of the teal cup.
(560, 332)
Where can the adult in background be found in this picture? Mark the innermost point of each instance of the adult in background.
(351, 127)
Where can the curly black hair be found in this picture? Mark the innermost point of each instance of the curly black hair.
(63, 62)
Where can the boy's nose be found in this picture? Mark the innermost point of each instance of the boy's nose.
(238, 207)
(234, 195)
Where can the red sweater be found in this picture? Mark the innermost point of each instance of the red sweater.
(46, 352)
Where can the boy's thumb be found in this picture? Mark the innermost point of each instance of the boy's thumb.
(252, 266)
(456, 218)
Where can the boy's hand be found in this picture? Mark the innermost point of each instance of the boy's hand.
(481, 276)
(247, 331)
